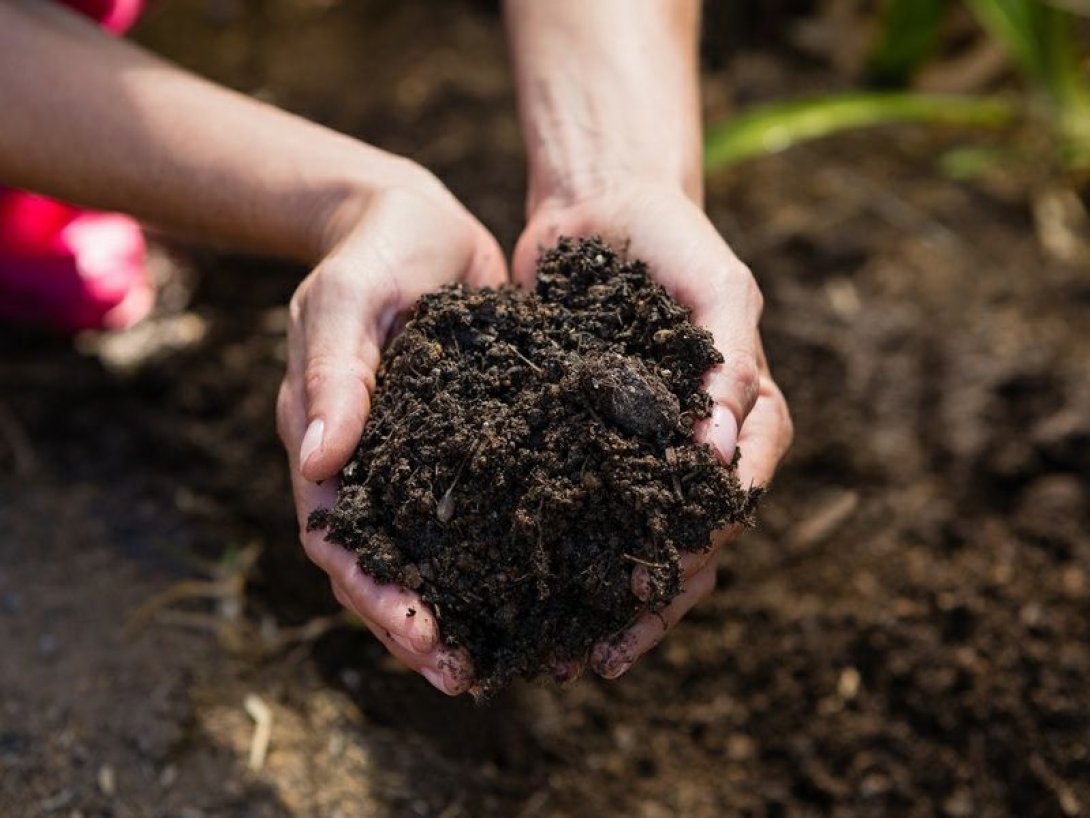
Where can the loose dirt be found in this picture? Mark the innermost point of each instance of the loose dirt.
(906, 633)
(527, 451)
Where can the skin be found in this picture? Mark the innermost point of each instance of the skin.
(609, 103)
(610, 108)
(180, 152)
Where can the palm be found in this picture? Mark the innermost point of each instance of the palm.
(404, 246)
(691, 260)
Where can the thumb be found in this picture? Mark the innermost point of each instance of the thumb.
(341, 321)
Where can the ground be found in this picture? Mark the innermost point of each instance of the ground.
(907, 632)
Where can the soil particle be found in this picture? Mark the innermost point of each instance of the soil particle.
(526, 450)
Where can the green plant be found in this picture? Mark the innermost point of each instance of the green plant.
(1040, 37)
(909, 34)
(777, 126)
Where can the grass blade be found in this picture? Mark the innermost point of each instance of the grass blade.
(908, 37)
(1042, 38)
(777, 126)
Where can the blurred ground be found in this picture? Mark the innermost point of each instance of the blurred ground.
(908, 633)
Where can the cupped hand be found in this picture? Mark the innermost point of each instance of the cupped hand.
(387, 249)
(666, 229)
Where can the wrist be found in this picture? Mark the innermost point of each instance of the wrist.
(337, 210)
(608, 96)
(573, 189)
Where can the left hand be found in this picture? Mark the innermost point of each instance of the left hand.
(409, 239)
(690, 259)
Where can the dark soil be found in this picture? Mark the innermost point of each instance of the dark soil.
(905, 634)
(526, 451)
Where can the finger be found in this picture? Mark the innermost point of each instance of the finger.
(449, 671)
(487, 267)
(389, 606)
(545, 233)
(689, 563)
(453, 672)
(409, 657)
(765, 437)
(704, 273)
(612, 658)
(733, 385)
(408, 653)
(342, 319)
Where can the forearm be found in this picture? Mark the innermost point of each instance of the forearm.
(608, 94)
(102, 123)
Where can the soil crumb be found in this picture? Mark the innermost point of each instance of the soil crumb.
(526, 451)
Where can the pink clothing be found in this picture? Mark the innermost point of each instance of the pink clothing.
(70, 269)
(67, 268)
(117, 16)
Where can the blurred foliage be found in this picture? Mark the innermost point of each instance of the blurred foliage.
(777, 126)
(1041, 39)
(910, 33)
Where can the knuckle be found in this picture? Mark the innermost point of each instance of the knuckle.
(744, 376)
(283, 411)
(338, 594)
(320, 371)
(785, 422)
(704, 582)
(297, 304)
(323, 370)
(754, 297)
(788, 426)
(312, 542)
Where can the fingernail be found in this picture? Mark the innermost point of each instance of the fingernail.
(723, 432)
(436, 678)
(312, 441)
(609, 662)
(612, 665)
(417, 633)
(618, 669)
(600, 658)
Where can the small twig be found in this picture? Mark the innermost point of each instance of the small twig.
(444, 508)
(526, 360)
(307, 633)
(648, 563)
(186, 589)
(263, 719)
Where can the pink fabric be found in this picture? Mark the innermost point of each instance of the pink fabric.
(67, 268)
(117, 16)
(70, 269)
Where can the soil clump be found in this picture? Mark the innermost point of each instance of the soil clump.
(526, 451)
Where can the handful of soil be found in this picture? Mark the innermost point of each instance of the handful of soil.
(526, 451)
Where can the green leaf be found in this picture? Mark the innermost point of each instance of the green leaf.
(908, 37)
(1042, 38)
(777, 126)
(1021, 27)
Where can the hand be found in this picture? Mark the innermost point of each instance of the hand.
(387, 250)
(670, 232)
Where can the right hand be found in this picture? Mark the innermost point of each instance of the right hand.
(661, 225)
(385, 252)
